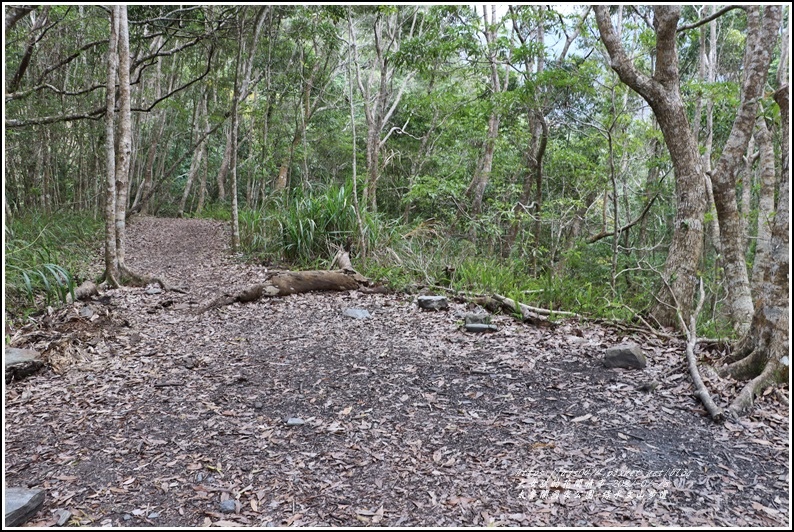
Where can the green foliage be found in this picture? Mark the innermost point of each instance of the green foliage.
(45, 257)
(309, 226)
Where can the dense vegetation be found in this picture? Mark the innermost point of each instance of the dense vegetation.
(491, 151)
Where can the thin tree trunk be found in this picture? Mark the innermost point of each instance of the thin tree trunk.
(111, 260)
(124, 138)
(195, 163)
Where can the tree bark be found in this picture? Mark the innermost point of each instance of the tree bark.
(482, 175)
(124, 138)
(766, 203)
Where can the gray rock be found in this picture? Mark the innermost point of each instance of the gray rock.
(476, 318)
(258, 405)
(126, 517)
(20, 363)
(86, 312)
(295, 422)
(63, 517)
(228, 506)
(153, 515)
(626, 355)
(481, 327)
(432, 302)
(21, 504)
(357, 313)
(153, 290)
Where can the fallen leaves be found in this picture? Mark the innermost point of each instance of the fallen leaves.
(407, 420)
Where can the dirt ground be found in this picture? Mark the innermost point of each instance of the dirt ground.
(152, 414)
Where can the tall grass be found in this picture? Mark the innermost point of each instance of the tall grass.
(307, 227)
(45, 257)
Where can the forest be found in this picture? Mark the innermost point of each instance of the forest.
(591, 168)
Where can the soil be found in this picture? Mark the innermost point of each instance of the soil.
(151, 413)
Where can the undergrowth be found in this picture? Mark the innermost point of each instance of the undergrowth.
(46, 257)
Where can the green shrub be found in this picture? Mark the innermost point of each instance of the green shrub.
(46, 256)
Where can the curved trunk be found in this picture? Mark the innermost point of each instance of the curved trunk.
(763, 353)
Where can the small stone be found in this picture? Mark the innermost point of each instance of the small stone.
(357, 313)
(626, 355)
(228, 506)
(432, 302)
(126, 517)
(258, 405)
(153, 290)
(86, 312)
(153, 515)
(481, 327)
(295, 422)
(63, 517)
(476, 318)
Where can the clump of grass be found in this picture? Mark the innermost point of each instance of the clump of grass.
(307, 227)
(45, 257)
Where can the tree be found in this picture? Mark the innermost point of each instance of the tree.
(482, 174)
(662, 92)
(390, 25)
(118, 148)
(763, 354)
(761, 39)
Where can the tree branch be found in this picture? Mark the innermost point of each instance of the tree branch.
(708, 19)
(638, 219)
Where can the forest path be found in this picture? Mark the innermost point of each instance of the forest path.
(161, 416)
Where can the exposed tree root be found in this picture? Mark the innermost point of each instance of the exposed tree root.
(744, 401)
(127, 277)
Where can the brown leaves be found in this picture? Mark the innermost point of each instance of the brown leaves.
(408, 420)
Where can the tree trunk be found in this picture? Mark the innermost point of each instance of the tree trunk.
(662, 92)
(111, 262)
(195, 163)
(124, 138)
(763, 353)
(766, 203)
(479, 181)
(761, 39)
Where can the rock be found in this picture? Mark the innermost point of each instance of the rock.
(432, 302)
(63, 517)
(86, 312)
(258, 405)
(153, 515)
(626, 355)
(126, 517)
(481, 327)
(20, 363)
(469, 319)
(357, 313)
(295, 422)
(153, 290)
(21, 504)
(228, 506)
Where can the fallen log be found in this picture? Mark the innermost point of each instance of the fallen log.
(288, 283)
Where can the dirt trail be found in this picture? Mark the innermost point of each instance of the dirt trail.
(165, 417)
